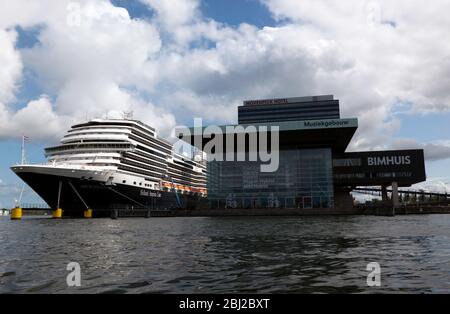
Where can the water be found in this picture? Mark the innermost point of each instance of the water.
(227, 255)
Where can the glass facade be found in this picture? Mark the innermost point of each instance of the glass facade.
(304, 179)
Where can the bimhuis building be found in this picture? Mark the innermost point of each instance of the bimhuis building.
(314, 171)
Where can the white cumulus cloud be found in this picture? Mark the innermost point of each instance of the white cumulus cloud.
(95, 60)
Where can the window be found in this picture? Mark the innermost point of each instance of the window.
(304, 180)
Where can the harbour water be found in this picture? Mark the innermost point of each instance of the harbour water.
(227, 255)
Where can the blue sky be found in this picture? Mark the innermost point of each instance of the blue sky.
(232, 12)
(277, 28)
(424, 127)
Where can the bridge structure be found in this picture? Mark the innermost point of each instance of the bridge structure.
(416, 196)
(403, 201)
(406, 201)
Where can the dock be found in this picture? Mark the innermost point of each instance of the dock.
(362, 209)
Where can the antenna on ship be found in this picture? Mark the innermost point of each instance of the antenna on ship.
(128, 115)
(22, 162)
(24, 139)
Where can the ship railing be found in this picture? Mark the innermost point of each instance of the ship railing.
(70, 166)
(35, 206)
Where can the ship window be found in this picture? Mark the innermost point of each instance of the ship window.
(140, 183)
(134, 183)
(90, 178)
(124, 181)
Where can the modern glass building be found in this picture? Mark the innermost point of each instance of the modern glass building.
(303, 180)
(314, 171)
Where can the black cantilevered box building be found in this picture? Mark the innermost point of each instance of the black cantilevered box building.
(314, 170)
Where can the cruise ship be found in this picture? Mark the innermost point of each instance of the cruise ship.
(108, 164)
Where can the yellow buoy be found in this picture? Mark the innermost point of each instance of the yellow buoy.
(57, 214)
(88, 213)
(16, 213)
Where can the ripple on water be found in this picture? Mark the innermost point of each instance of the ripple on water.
(227, 255)
(41, 287)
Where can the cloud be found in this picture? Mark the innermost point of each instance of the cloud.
(92, 59)
(10, 66)
(436, 150)
(181, 22)
(37, 119)
(96, 59)
(175, 13)
(179, 64)
(398, 43)
(437, 185)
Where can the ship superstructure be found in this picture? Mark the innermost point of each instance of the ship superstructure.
(110, 162)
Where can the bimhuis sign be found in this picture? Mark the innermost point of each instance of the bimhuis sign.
(406, 166)
(389, 160)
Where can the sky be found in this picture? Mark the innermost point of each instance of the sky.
(62, 62)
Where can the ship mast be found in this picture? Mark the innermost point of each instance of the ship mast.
(23, 161)
(24, 138)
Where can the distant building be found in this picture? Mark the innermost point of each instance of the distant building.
(314, 169)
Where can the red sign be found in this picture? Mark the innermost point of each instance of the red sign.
(266, 102)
